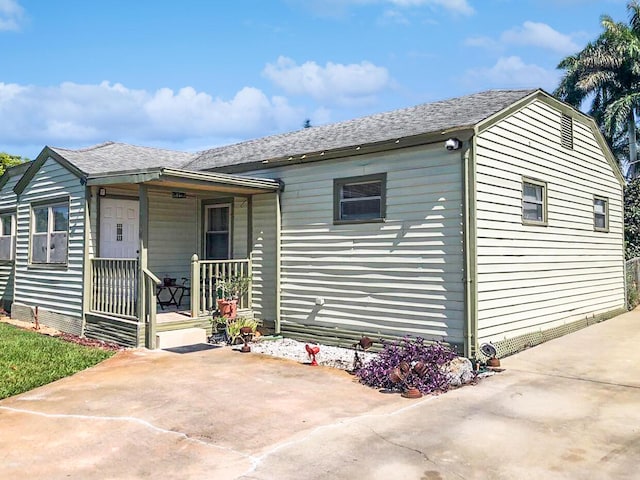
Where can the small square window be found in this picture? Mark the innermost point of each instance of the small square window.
(600, 214)
(534, 202)
(359, 199)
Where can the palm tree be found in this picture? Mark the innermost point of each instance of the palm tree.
(607, 72)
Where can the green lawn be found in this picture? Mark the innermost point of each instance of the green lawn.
(29, 359)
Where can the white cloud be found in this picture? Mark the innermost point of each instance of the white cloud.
(335, 83)
(535, 34)
(11, 15)
(482, 42)
(393, 17)
(73, 113)
(512, 72)
(333, 8)
(457, 6)
(539, 34)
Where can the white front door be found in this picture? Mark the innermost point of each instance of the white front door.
(119, 228)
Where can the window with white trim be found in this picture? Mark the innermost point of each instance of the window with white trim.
(601, 214)
(360, 199)
(534, 202)
(7, 236)
(50, 233)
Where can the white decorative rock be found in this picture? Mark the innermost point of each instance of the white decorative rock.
(459, 371)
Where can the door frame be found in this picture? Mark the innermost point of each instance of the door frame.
(97, 246)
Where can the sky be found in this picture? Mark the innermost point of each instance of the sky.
(196, 74)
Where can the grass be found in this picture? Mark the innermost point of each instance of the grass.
(30, 359)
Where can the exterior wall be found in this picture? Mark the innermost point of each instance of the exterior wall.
(263, 256)
(7, 277)
(173, 234)
(240, 225)
(532, 278)
(57, 291)
(399, 277)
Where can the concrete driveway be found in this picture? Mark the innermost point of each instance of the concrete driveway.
(567, 409)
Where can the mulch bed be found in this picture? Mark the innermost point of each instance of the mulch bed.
(89, 342)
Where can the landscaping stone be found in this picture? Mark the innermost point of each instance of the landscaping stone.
(459, 371)
(336, 357)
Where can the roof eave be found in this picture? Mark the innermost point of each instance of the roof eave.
(187, 177)
(45, 154)
(564, 107)
(462, 133)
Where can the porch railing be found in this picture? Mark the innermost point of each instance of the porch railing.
(210, 275)
(114, 286)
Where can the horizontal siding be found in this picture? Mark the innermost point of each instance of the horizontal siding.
(263, 255)
(403, 276)
(113, 330)
(8, 197)
(6, 284)
(58, 291)
(173, 234)
(533, 278)
(240, 225)
(8, 202)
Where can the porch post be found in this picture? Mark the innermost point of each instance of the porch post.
(87, 270)
(148, 318)
(195, 286)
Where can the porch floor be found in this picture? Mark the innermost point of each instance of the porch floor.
(169, 315)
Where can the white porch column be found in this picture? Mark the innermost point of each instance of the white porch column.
(195, 286)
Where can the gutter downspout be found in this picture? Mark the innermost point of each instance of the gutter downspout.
(278, 260)
(470, 251)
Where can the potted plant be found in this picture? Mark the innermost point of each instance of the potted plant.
(235, 328)
(218, 329)
(230, 290)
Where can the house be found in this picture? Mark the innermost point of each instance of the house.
(7, 232)
(492, 217)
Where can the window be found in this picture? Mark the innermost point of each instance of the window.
(7, 233)
(217, 244)
(360, 199)
(49, 233)
(566, 132)
(534, 202)
(600, 214)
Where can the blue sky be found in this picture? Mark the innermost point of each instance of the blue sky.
(196, 74)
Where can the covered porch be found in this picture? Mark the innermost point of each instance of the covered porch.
(163, 245)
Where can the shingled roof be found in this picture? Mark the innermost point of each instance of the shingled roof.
(455, 113)
(427, 118)
(113, 157)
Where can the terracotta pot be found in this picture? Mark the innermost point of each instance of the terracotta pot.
(396, 376)
(420, 368)
(493, 362)
(412, 392)
(228, 308)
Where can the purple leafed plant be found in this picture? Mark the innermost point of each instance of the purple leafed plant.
(375, 373)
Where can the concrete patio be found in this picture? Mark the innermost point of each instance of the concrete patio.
(565, 409)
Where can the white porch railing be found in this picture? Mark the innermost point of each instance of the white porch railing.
(207, 277)
(114, 286)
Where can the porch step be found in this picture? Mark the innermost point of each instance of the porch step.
(180, 338)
